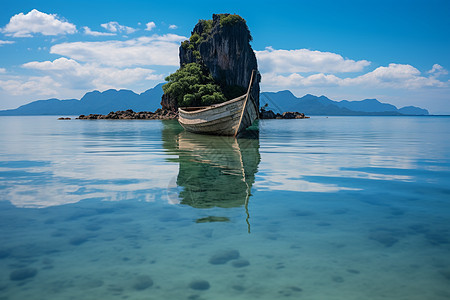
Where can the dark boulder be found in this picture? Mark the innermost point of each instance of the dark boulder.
(267, 114)
(286, 115)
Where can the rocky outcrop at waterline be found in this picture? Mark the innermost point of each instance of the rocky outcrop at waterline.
(286, 115)
(222, 46)
(164, 114)
(159, 114)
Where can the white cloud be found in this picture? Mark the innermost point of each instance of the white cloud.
(90, 75)
(22, 25)
(143, 51)
(173, 26)
(395, 76)
(150, 26)
(297, 80)
(88, 31)
(285, 68)
(2, 70)
(6, 42)
(117, 28)
(42, 85)
(304, 60)
(437, 70)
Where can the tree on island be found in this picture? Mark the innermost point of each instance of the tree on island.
(192, 85)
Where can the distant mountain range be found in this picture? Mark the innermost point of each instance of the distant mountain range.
(113, 100)
(312, 105)
(93, 103)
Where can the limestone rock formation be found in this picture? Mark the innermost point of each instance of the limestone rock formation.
(222, 45)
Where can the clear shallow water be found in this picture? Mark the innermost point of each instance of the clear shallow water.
(325, 208)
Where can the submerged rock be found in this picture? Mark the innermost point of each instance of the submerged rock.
(238, 288)
(240, 263)
(337, 279)
(22, 274)
(78, 240)
(4, 253)
(437, 239)
(445, 274)
(142, 282)
(92, 283)
(199, 285)
(223, 257)
(386, 238)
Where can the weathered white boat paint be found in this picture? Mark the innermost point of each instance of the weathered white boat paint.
(227, 118)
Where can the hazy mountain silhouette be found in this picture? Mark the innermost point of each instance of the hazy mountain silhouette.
(313, 105)
(93, 102)
(113, 100)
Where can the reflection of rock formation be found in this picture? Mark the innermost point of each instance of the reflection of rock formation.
(214, 170)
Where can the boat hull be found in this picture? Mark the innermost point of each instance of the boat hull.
(228, 118)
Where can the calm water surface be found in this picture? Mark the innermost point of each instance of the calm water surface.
(324, 208)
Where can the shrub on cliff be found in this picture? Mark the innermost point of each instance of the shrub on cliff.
(230, 19)
(192, 85)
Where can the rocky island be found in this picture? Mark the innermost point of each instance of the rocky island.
(216, 65)
(159, 114)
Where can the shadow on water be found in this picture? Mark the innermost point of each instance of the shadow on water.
(214, 171)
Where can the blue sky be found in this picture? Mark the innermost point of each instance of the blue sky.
(395, 51)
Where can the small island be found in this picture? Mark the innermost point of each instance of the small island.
(129, 114)
(217, 63)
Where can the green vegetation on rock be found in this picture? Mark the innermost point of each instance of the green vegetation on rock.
(198, 37)
(207, 27)
(192, 85)
(197, 83)
(229, 20)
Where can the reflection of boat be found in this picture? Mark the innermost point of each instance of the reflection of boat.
(228, 118)
(216, 171)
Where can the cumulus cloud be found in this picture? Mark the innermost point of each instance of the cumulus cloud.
(437, 70)
(42, 85)
(173, 26)
(88, 31)
(117, 28)
(2, 70)
(6, 42)
(90, 75)
(297, 80)
(393, 76)
(150, 26)
(143, 51)
(22, 25)
(303, 60)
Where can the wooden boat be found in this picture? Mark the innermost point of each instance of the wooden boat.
(227, 118)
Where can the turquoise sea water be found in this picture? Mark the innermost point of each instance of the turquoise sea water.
(323, 208)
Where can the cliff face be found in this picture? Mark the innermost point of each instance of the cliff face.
(223, 46)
